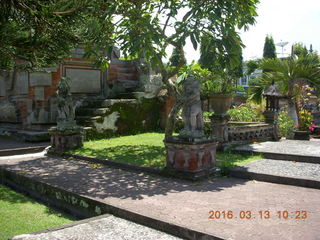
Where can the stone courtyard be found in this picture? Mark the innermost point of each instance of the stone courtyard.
(178, 207)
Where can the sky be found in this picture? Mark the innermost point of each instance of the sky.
(289, 21)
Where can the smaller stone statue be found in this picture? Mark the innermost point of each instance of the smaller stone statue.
(66, 113)
(191, 110)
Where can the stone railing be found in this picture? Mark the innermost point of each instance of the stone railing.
(248, 132)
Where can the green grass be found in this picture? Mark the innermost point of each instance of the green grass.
(21, 215)
(147, 149)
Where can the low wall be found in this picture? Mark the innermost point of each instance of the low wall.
(244, 132)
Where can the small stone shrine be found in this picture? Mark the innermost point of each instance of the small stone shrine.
(190, 154)
(66, 135)
(272, 95)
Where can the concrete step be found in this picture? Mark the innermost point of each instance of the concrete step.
(283, 172)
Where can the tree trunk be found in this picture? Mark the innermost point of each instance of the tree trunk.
(292, 111)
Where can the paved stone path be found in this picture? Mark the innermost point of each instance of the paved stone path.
(292, 147)
(105, 227)
(185, 203)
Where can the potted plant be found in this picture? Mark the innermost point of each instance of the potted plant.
(302, 131)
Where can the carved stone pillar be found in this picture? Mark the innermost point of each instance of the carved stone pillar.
(219, 123)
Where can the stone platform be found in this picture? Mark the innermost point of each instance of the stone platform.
(278, 171)
(292, 150)
(178, 207)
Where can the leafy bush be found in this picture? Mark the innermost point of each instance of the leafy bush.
(244, 113)
(285, 124)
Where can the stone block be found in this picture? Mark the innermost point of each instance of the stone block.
(40, 79)
(39, 94)
(84, 80)
(62, 141)
(8, 112)
(191, 160)
(2, 87)
(22, 84)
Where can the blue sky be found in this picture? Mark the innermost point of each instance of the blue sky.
(286, 20)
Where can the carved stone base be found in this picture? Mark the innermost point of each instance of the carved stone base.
(219, 123)
(67, 139)
(193, 159)
(270, 116)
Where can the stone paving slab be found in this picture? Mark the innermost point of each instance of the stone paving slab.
(298, 150)
(183, 203)
(104, 227)
(283, 172)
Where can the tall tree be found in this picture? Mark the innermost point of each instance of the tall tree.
(177, 57)
(269, 48)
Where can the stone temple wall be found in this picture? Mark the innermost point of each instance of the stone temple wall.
(28, 100)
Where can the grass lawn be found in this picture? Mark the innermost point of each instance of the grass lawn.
(21, 215)
(147, 149)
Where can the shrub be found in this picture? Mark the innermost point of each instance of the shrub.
(244, 113)
(285, 124)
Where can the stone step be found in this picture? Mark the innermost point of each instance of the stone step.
(91, 111)
(283, 172)
(287, 150)
(87, 120)
(105, 103)
(26, 135)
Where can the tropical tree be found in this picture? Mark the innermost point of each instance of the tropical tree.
(141, 28)
(146, 28)
(288, 75)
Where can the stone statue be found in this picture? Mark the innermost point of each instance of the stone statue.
(66, 113)
(191, 110)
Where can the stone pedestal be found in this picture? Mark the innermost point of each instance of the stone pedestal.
(219, 123)
(66, 138)
(270, 116)
(191, 158)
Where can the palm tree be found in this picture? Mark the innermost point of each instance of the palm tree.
(288, 75)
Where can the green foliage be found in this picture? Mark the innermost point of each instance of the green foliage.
(147, 150)
(226, 64)
(269, 48)
(252, 65)
(300, 50)
(177, 57)
(21, 215)
(38, 33)
(285, 124)
(244, 113)
(210, 81)
(287, 74)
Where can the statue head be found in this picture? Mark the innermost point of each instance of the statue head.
(63, 88)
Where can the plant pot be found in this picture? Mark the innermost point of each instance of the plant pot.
(301, 135)
(220, 103)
